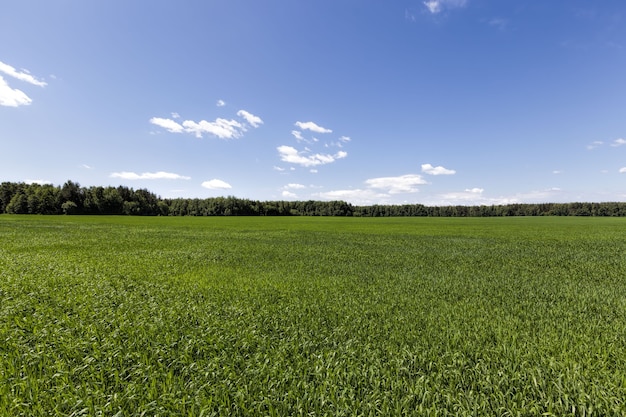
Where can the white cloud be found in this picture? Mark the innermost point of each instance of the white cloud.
(175, 115)
(295, 186)
(312, 127)
(148, 176)
(557, 172)
(12, 97)
(345, 139)
(279, 169)
(437, 6)
(291, 155)
(22, 76)
(474, 190)
(167, 124)
(499, 23)
(221, 128)
(396, 185)
(431, 170)
(40, 182)
(289, 194)
(594, 144)
(298, 135)
(254, 121)
(216, 184)
(86, 166)
(622, 170)
(619, 142)
(356, 196)
(220, 103)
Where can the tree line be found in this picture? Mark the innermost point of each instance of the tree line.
(71, 198)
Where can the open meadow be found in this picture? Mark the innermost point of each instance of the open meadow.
(304, 316)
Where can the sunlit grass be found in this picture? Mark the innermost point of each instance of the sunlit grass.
(312, 316)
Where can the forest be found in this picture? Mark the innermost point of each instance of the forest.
(71, 198)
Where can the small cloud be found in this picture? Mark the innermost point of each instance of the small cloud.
(291, 155)
(23, 75)
(216, 184)
(595, 144)
(622, 170)
(557, 172)
(221, 128)
(431, 170)
(312, 127)
(295, 186)
(12, 97)
(474, 190)
(618, 142)
(220, 103)
(396, 185)
(167, 124)
(175, 115)
(279, 169)
(298, 135)
(254, 121)
(148, 176)
(86, 166)
(345, 139)
(437, 6)
(288, 194)
(313, 171)
(408, 15)
(356, 196)
(499, 23)
(40, 182)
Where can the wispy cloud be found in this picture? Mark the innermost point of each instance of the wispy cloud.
(313, 127)
(216, 184)
(220, 103)
(254, 121)
(437, 6)
(293, 156)
(40, 182)
(298, 135)
(161, 175)
(499, 23)
(21, 75)
(355, 196)
(167, 124)
(622, 170)
(220, 128)
(13, 97)
(439, 170)
(395, 185)
(618, 142)
(594, 145)
(295, 186)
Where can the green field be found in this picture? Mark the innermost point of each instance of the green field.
(312, 316)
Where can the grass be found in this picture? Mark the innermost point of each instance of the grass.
(312, 316)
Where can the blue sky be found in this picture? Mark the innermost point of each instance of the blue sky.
(373, 102)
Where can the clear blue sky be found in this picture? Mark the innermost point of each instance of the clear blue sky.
(435, 102)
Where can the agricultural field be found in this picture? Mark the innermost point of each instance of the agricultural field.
(302, 316)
